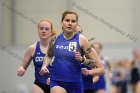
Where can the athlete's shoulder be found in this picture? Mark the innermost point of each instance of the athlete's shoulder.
(32, 48)
(82, 38)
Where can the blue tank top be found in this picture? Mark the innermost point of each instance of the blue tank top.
(38, 59)
(65, 67)
(101, 83)
(87, 79)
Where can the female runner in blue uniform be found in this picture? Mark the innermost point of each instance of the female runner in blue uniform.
(100, 85)
(36, 52)
(89, 86)
(66, 76)
(86, 79)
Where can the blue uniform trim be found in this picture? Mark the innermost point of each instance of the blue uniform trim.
(70, 87)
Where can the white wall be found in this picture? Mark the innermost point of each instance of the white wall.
(138, 18)
(25, 29)
(97, 15)
(9, 81)
(109, 21)
(5, 22)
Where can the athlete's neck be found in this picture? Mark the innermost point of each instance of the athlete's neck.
(44, 42)
(68, 36)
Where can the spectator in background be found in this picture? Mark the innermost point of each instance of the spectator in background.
(135, 68)
(119, 76)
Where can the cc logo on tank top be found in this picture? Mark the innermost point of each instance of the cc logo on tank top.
(39, 59)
